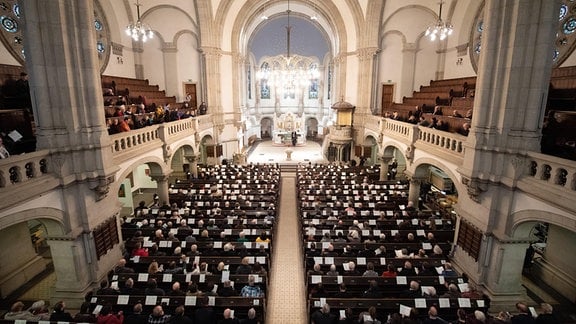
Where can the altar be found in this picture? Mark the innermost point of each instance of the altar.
(287, 127)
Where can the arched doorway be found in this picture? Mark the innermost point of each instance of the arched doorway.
(370, 149)
(266, 128)
(207, 141)
(311, 128)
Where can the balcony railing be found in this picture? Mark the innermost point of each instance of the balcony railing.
(23, 168)
(545, 175)
(447, 145)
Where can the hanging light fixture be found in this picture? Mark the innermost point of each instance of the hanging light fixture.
(440, 29)
(139, 31)
(292, 73)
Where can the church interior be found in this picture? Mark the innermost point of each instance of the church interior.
(421, 152)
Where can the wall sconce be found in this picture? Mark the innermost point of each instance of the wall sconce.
(459, 61)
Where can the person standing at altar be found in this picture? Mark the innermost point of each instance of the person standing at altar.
(294, 138)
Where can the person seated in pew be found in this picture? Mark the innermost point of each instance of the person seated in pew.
(448, 271)
(373, 290)
(349, 251)
(176, 291)
(426, 269)
(318, 291)
(122, 268)
(106, 315)
(244, 267)
(139, 250)
(251, 289)
(158, 316)
(343, 292)
(155, 268)
(105, 289)
(464, 129)
(433, 317)
(180, 317)
(201, 269)
(429, 292)
(332, 271)
(452, 292)
(316, 270)
(407, 270)
(226, 289)
(421, 254)
(251, 319)
(153, 289)
(370, 270)
(205, 313)
(348, 317)
(369, 317)
(227, 318)
(258, 269)
(17, 312)
(351, 269)
(413, 291)
(390, 272)
(323, 316)
(472, 292)
(129, 289)
(330, 252)
(456, 114)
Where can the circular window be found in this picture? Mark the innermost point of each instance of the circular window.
(13, 39)
(565, 36)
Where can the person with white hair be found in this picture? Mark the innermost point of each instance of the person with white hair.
(480, 316)
(547, 316)
(251, 317)
(351, 269)
(332, 271)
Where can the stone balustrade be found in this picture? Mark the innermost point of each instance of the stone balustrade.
(451, 143)
(552, 170)
(400, 130)
(373, 123)
(19, 169)
(123, 142)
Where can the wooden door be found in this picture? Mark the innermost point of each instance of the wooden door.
(191, 89)
(387, 97)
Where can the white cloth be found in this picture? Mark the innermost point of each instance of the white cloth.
(4, 153)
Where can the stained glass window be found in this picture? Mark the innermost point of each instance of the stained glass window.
(11, 33)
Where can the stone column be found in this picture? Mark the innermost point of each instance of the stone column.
(212, 56)
(171, 69)
(193, 159)
(365, 84)
(384, 160)
(339, 78)
(414, 191)
(67, 99)
(238, 84)
(408, 65)
(163, 187)
(504, 278)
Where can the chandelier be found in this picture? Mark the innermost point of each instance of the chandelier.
(139, 31)
(288, 73)
(440, 29)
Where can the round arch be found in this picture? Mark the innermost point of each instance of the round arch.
(419, 169)
(157, 166)
(51, 218)
(522, 222)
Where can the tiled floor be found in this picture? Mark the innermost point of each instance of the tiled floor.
(287, 296)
